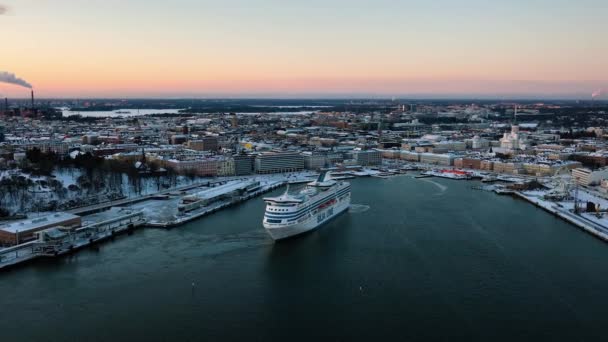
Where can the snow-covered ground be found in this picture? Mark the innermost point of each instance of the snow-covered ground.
(71, 187)
(67, 176)
(589, 221)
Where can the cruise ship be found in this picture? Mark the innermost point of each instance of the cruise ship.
(292, 214)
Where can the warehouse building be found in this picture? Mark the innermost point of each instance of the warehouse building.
(22, 231)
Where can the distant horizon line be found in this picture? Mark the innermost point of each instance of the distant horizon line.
(321, 98)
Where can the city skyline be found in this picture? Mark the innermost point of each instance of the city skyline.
(539, 49)
(347, 170)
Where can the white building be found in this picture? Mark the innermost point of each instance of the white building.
(314, 161)
(437, 159)
(584, 176)
(514, 140)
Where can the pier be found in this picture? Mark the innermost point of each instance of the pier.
(104, 221)
(195, 214)
(161, 210)
(594, 228)
(54, 242)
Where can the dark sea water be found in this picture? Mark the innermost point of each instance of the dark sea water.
(416, 259)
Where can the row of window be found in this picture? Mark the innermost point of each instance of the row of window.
(272, 209)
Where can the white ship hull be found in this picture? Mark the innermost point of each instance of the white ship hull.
(279, 232)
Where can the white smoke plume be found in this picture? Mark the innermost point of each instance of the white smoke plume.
(3, 9)
(597, 93)
(10, 78)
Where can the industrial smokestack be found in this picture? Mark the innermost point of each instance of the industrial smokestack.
(6, 104)
(32, 98)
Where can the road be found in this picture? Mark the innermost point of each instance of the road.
(107, 205)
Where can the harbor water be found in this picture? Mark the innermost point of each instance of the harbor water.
(414, 259)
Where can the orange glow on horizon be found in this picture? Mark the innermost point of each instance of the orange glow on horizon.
(208, 47)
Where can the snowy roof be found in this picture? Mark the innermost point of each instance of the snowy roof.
(29, 224)
(224, 189)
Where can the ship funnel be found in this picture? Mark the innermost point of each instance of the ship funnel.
(324, 177)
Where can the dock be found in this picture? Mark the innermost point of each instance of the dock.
(56, 242)
(103, 221)
(207, 210)
(594, 228)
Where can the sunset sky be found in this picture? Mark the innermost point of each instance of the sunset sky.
(312, 48)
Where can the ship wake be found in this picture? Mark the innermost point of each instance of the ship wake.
(358, 208)
(216, 245)
(441, 187)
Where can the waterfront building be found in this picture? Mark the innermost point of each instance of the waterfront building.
(368, 157)
(334, 157)
(585, 176)
(410, 156)
(437, 159)
(314, 160)
(549, 168)
(487, 165)
(244, 164)
(468, 163)
(225, 167)
(391, 154)
(22, 231)
(277, 162)
(508, 167)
